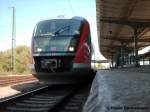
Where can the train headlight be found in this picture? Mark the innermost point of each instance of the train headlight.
(71, 49)
(39, 49)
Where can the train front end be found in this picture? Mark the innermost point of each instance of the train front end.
(60, 50)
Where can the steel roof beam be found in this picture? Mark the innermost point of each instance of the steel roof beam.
(118, 46)
(120, 39)
(126, 13)
(134, 23)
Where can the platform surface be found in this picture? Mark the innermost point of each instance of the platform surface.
(119, 91)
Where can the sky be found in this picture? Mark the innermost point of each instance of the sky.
(29, 12)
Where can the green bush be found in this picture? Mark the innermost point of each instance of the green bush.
(22, 62)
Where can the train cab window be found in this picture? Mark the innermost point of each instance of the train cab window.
(58, 26)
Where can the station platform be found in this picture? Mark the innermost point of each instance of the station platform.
(120, 90)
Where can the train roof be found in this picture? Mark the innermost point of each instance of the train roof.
(78, 18)
(74, 18)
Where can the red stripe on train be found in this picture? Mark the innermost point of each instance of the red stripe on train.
(81, 51)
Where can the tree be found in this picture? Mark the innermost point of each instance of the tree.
(22, 59)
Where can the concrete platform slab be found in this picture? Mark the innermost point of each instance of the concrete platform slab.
(119, 91)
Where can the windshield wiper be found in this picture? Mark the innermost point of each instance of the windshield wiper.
(57, 32)
(62, 29)
(47, 34)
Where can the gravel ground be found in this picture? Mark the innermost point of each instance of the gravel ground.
(17, 88)
(119, 91)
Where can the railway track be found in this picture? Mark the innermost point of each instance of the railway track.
(9, 80)
(55, 98)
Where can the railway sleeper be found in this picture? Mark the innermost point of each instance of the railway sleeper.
(41, 102)
(32, 105)
(16, 109)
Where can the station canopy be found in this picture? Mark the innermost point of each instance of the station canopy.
(118, 21)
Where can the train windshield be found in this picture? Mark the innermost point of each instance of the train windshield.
(58, 27)
(56, 35)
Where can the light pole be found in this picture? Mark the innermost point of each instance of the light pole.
(13, 39)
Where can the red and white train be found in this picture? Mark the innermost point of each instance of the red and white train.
(61, 50)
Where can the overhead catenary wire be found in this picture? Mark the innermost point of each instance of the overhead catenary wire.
(70, 5)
